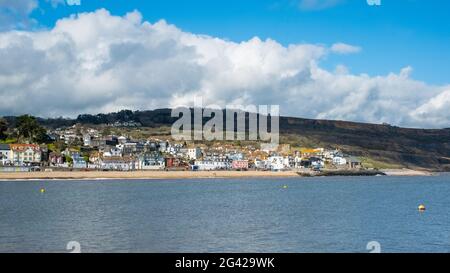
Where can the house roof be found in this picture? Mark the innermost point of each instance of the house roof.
(24, 147)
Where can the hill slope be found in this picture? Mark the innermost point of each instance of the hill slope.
(413, 148)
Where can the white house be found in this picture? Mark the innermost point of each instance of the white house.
(260, 164)
(151, 161)
(194, 153)
(116, 152)
(87, 140)
(122, 140)
(317, 163)
(119, 163)
(276, 163)
(210, 165)
(25, 153)
(289, 162)
(78, 161)
(163, 146)
(298, 162)
(5, 154)
(339, 161)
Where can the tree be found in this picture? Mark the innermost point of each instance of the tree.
(68, 160)
(3, 128)
(29, 128)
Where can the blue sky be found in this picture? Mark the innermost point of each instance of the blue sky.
(396, 34)
(324, 59)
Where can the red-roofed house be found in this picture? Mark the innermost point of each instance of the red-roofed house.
(25, 153)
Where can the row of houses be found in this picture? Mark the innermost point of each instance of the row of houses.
(127, 156)
(20, 154)
(93, 150)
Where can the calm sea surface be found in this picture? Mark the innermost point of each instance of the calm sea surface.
(335, 214)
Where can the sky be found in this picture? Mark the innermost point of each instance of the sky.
(332, 59)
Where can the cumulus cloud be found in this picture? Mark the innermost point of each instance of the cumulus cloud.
(342, 48)
(436, 111)
(96, 62)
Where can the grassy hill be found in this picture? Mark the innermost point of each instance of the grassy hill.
(382, 146)
(378, 144)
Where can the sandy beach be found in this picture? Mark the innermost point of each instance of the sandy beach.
(406, 172)
(144, 175)
(94, 175)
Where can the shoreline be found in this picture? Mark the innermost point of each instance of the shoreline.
(172, 175)
(407, 172)
(141, 175)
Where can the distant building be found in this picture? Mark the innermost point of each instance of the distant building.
(87, 140)
(236, 156)
(94, 160)
(122, 140)
(151, 161)
(69, 138)
(173, 163)
(119, 163)
(5, 154)
(276, 163)
(317, 163)
(78, 161)
(213, 161)
(55, 159)
(298, 162)
(210, 165)
(128, 148)
(116, 152)
(194, 153)
(339, 161)
(25, 153)
(150, 146)
(240, 164)
(260, 164)
(163, 146)
(289, 162)
(353, 162)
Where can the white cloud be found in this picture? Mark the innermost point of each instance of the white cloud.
(96, 62)
(341, 48)
(436, 111)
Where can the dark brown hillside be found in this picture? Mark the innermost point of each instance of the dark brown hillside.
(416, 148)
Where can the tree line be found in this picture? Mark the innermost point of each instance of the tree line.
(25, 128)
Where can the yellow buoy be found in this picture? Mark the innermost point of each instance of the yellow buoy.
(285, 187)
(422, 208)
(42, 190)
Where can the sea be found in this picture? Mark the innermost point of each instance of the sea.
(291, 215)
